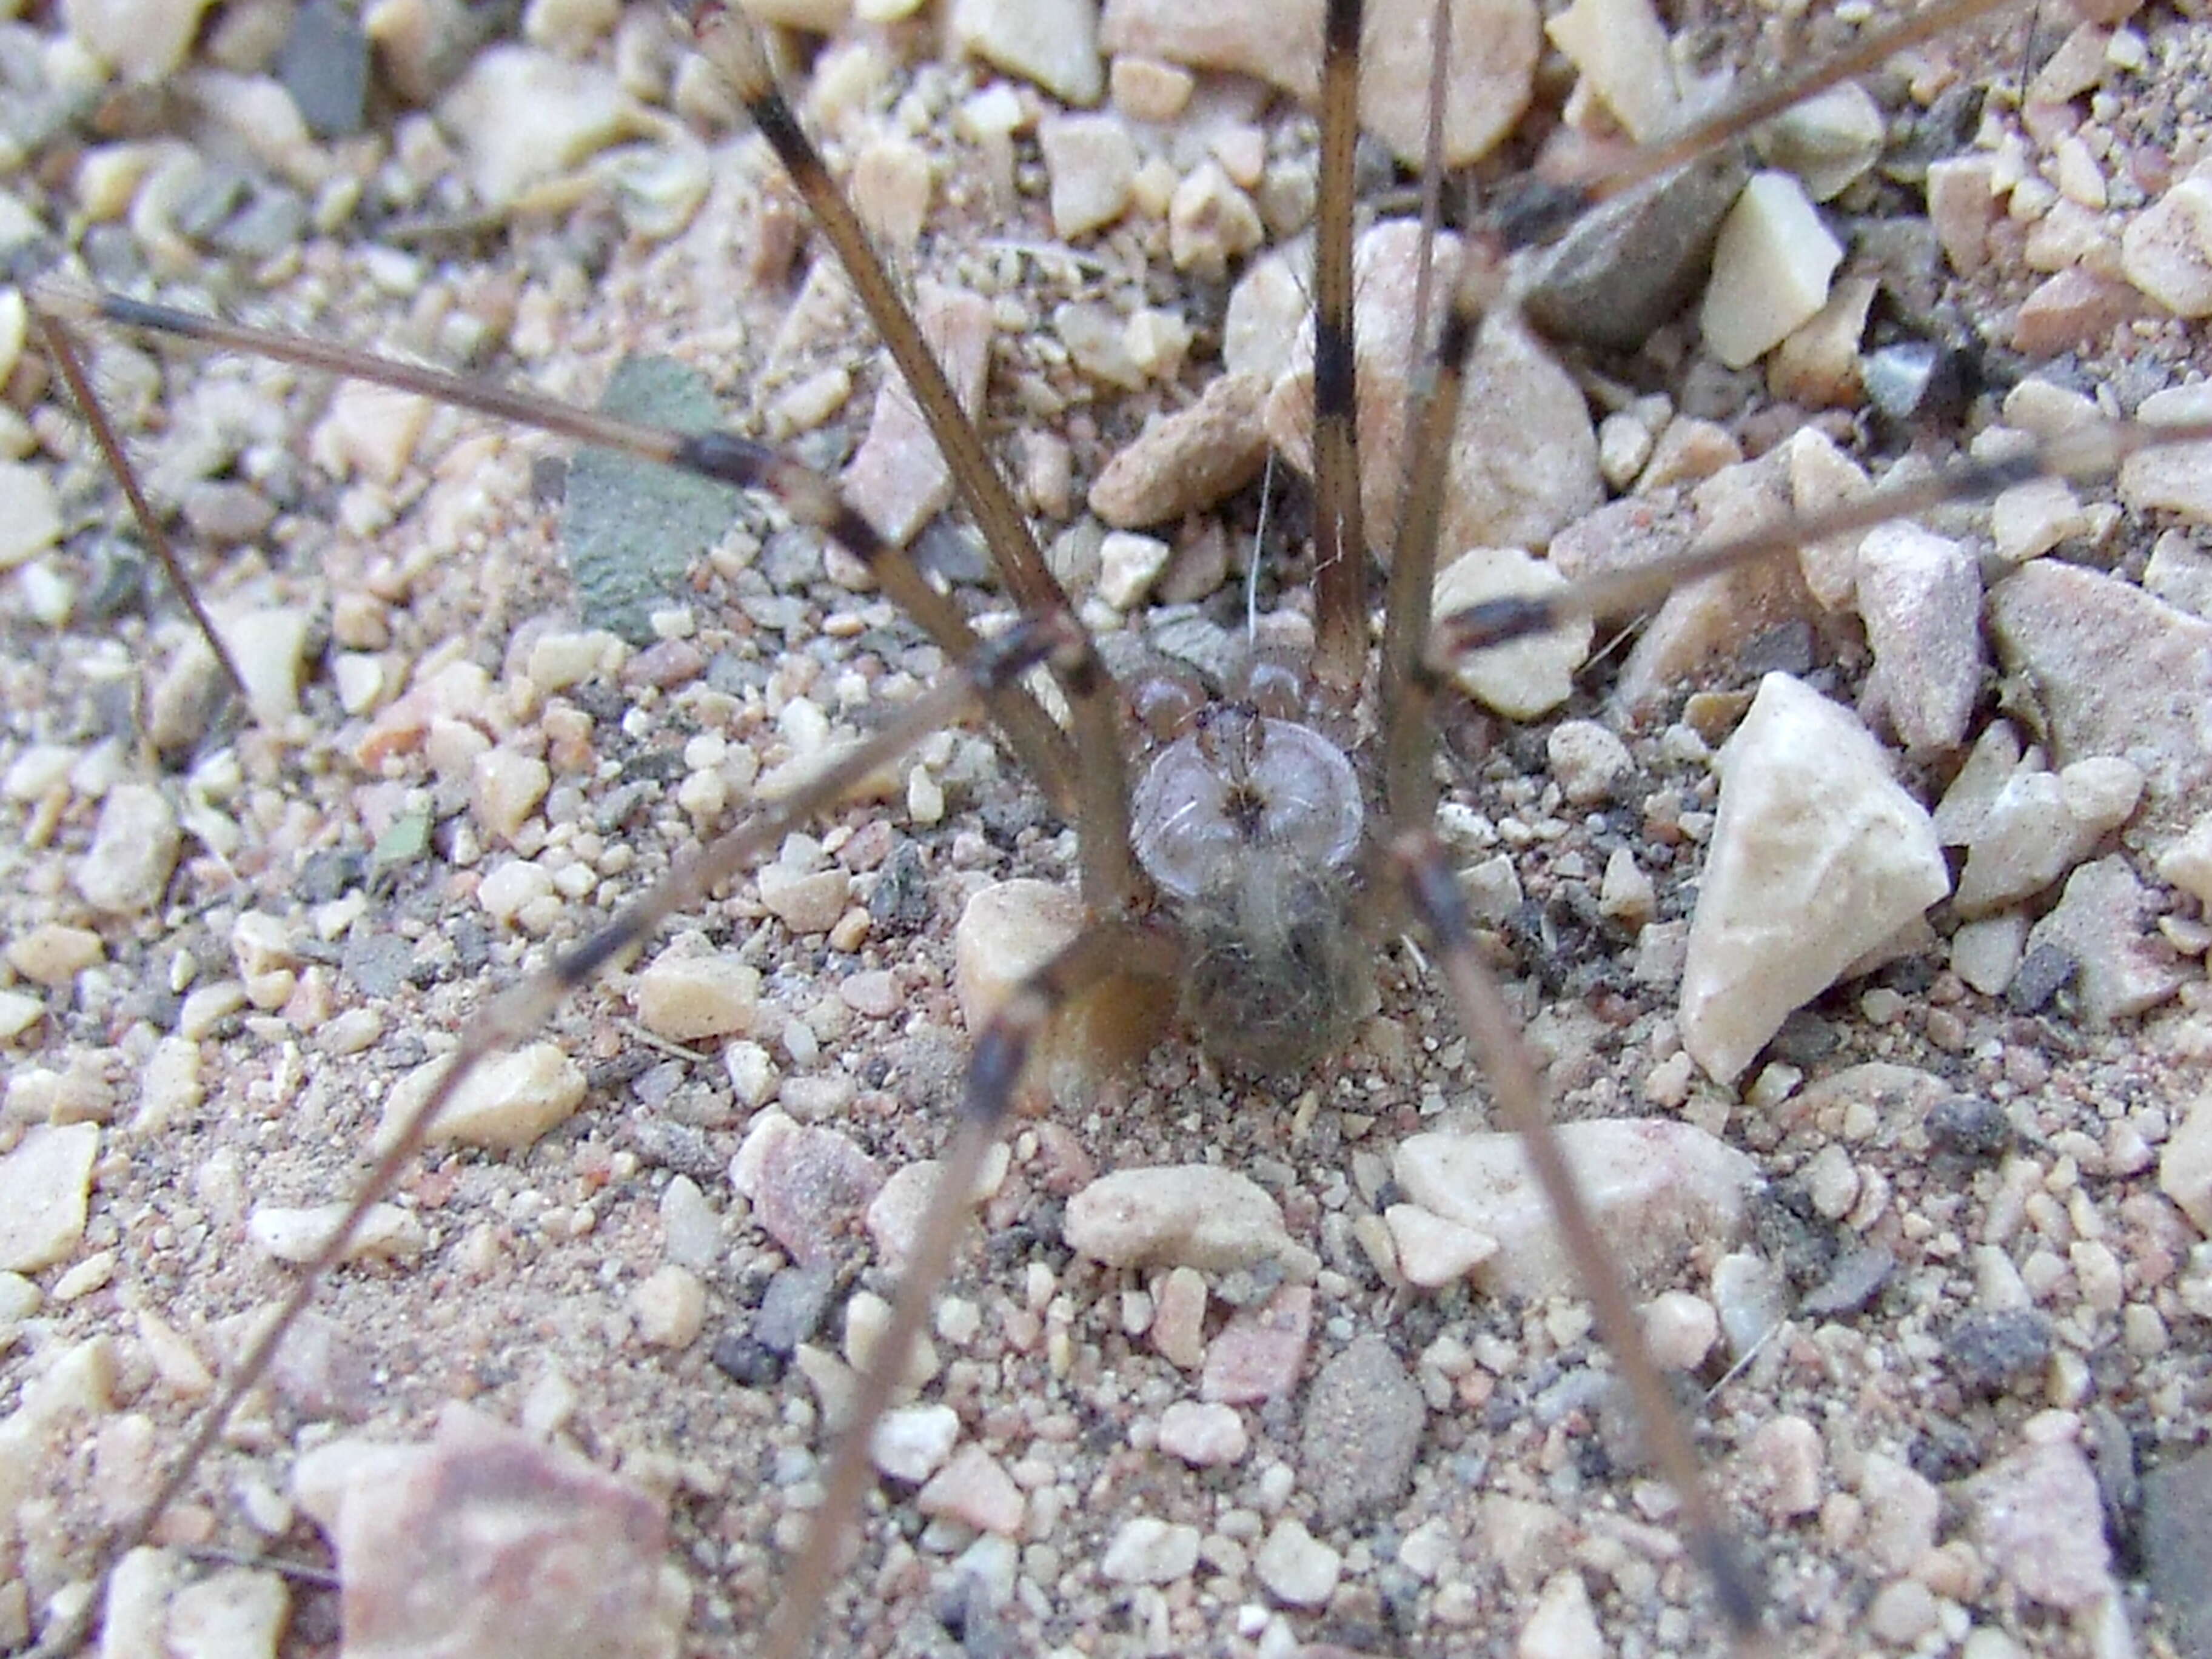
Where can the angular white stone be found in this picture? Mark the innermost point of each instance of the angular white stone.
(297, 1235)
(1654, 1188)
(506, 1103)
(1298, 1568)
(1054, 43)
(1770, 270)
(1620, 47)
(2184, 1171)
(2188, 863)
(1531, 676)
(1817, 857)
(1150, 1551)
(684, 998)
(45, 1184)
(1564, 1625)
(2175, 477)
(1188, 1215)
(912, 1443)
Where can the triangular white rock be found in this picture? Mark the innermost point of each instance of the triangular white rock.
(1817, 857)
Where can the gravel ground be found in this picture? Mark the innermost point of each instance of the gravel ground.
(1969, 1306)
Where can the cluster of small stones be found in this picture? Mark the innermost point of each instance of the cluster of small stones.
(1198, 1405)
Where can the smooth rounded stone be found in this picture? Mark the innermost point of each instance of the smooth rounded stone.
(30, 514)
(1827, 140)
(685, 997)
(1532, 677)
(234, 1612)
(1787, 1460)
(1204, 1435)
(1494, 44)
(1361, 1431)
(2188, 863)
(1903, 1508)
(1817, 857)
(134, 851)
(1092, 160)
(53, 953)
(1054, 43)
(2173, 477)
(1680, 1329)
(1149, 1550)
(975, 1491)
(2039, 1523)
(1920, 596)
(46, 1186)
(2103, 924)
(504, 1104)
(520, 116)
(1771, 265)
(1986, 953)
(1189, 461)
(1564, 1625)
(1297, 1568)
(899, 479)
(386, 1233)
(807, 1183)
(507, 789)
(143, 41)
(1188, 1215)
(1259, 1352)
(1523, 461)
(134, 1610)
(2101, 792)
(1433, 1252)
(2167, 249)
(912, 1442)
(488, 1542)
(1144, 89)
(1657, 1191)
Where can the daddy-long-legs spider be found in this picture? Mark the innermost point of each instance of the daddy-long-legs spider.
(1084, 1358)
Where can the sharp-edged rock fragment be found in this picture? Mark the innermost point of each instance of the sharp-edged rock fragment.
(1190, 1215)
(1657, 1191)
(1817, 857)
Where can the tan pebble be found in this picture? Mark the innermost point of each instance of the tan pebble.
(686, 997)
(671, 1305)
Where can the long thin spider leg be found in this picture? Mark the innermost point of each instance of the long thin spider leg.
(61, 346)
(2085, 450)
(1409, 786)
(731, 43)
(1107, 950)
(519, 1010)
(720, 456)
(1340, 534)
(1433, 893)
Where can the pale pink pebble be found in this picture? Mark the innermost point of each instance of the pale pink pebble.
(1179, 1318)
(1202, 1435)
(1259, 1352)
(806, 1184)
(2038, 1520)
(873, 993)
(1787, 1454)
(974, 1490)
(486, 1542)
